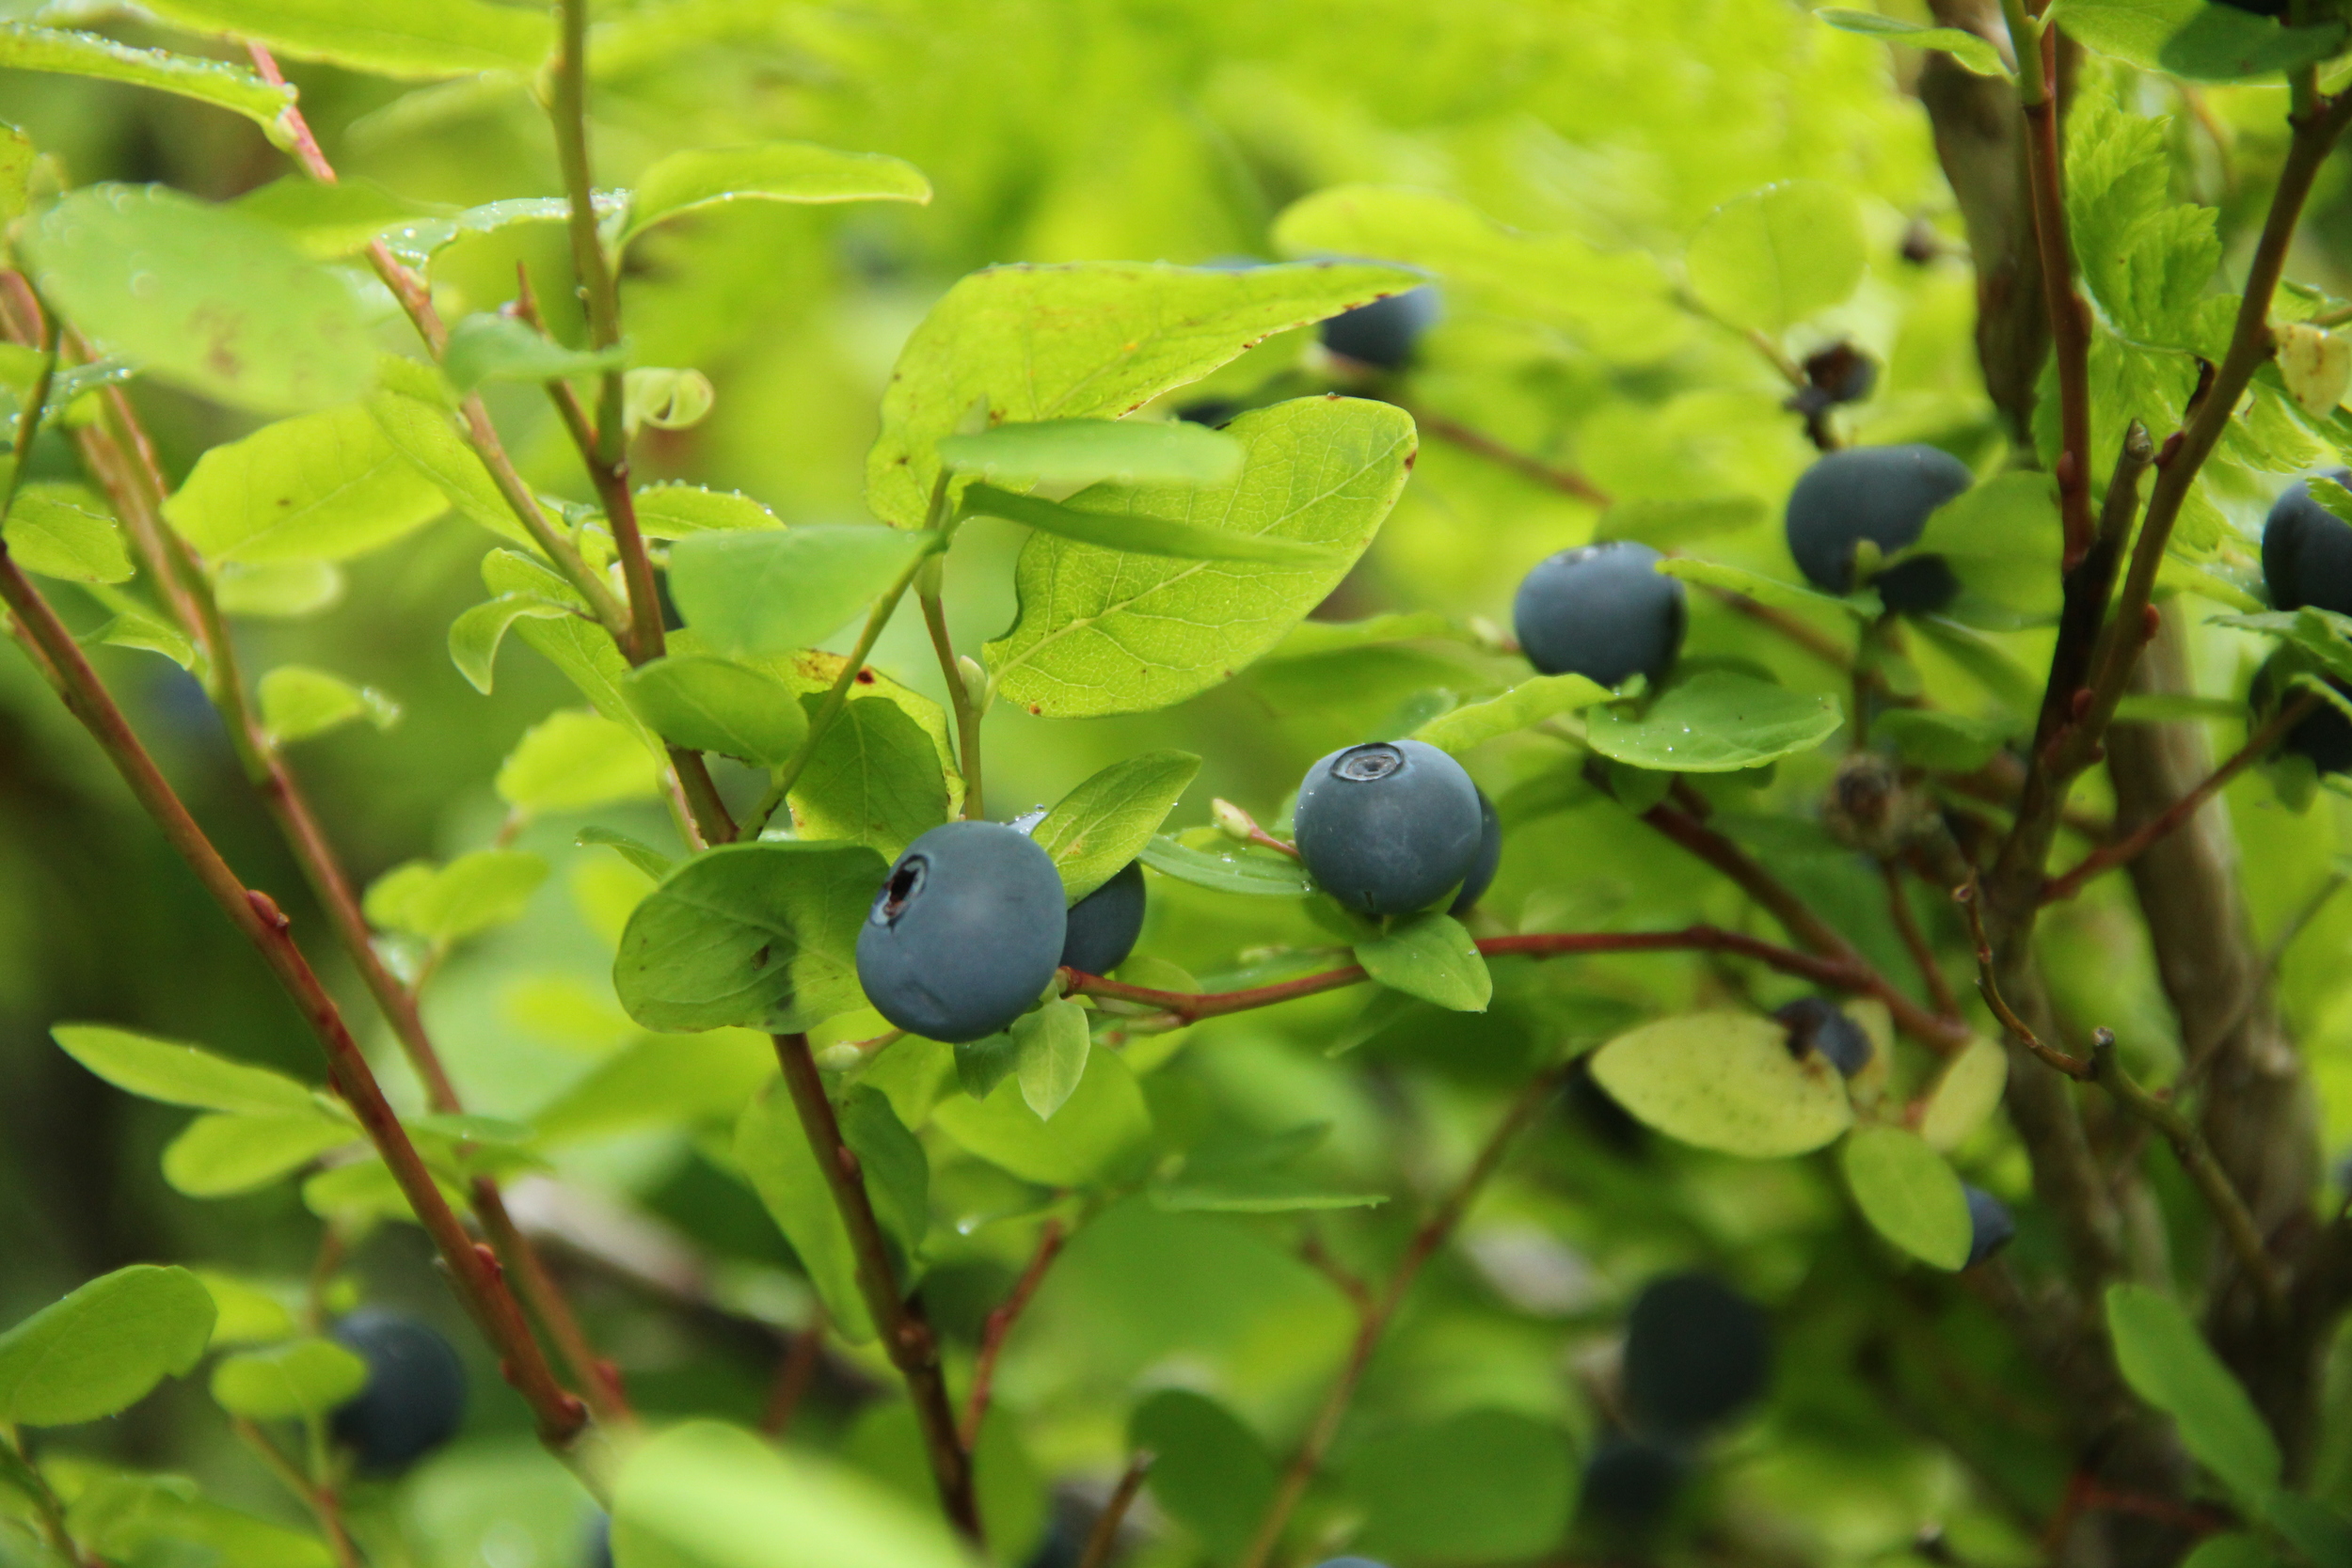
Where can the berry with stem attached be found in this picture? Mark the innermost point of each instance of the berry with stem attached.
(1818, 1024)
(2306, 551)
(964, 934)
(1389, 828)
(1884, 494)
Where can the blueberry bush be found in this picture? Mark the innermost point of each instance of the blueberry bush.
(1067, 783)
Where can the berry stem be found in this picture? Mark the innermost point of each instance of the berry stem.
(1374, 1317)
(999, 1328)
(1568, 482)
(1102, 1541)
(899, 1320)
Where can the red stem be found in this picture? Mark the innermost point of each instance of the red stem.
(999, 1328)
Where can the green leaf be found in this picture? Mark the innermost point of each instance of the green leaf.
(1727, 1082)
(475, 636)
(666, 398)
(248, 1314)
(484, 347)
(774, 590)
(774, 1150)
(711, 705)
(1948, 742)
(1528, 703)
(1960, 44)
(298, 702)
(201, 297)
(2319, 1532)
(1051, 1045)
(1088, 339)
(1485, 1485)
(1314, 639)
(1097, 829)
(1211, 1474)
(1985, 661)
(1966, 1095)
(2326, 637)
(769, 171)
(2232, 1549)
(1616, 303)
(1771, 258)
(17, 153)
(983, 1064)
(1717, 721)
(100, 1349)
(763, 935)
(131, 1518)
(574, 761)
(1100, 1134)
(1137, 533)
(1249, 1178)
(1767, 589)
(663, 1080)
(875, 778)
(2002, 539)
(674, 511)
(133, 625)
(25, 47)
(1236, 870)
(304, 1380)
(326, 221)
(217, 1156)
(1077, 453)
(2133, 30)
(321, 488)
(1430, 956)
(587, 656)
(277, 590)
(2222, 45)
(2169, 1364)
(2169, 707)
(471, 894)
(1908, 1193)
(1104, 631)
(705, 1496)
(422, 433)
(1669, 524)
(63, 532)
(180, 1074)
(417, 242)
(415, 38)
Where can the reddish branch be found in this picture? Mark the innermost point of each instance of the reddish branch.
(2108, 856)
(905, 1332)
(475, 1269)
(794, 1374)
(1104, 1539)
(1566, 481)
(1922, 955)
(999, 1326)
(1374, 1317)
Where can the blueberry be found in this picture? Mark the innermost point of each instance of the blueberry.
(1102, 926)
(964, 934)
(1989, 1227)
(1384, 333)
(1602, 611)
(1389, 828)
(1841, 373)
(2306, 551)
(1816, 1023)
(1696, 1350)
(600, 1541)
(415, 1396)
(1482, 871)
(1213, 412)
(1630, 1482)
(2324, 735)
(1885, 495)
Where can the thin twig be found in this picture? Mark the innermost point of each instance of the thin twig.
(1907, 926)
(325, 1506)
(2189, 1145)
(1103, 1540)
(2108, 856)
(1374, 1322)
(960, 698)
(898, 1321)
(795, 1372)
(999, 1328)
(479, 1279)
(1566, 481)
(1819, 644)
(1971, 901)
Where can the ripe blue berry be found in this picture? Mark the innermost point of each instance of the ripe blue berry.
(1628, 1482)
(964, 934)
(415, 1396)
(1990, 1226)
(1385, 333)
(1816, 1023)
(1482, 871)
(1603, 611)
(1102, 926)
(2324, 735)
(2306, 551)
(1696, 1350)
(1885, 495)
(1389, 828)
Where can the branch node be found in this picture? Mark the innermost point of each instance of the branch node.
(267, 907)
